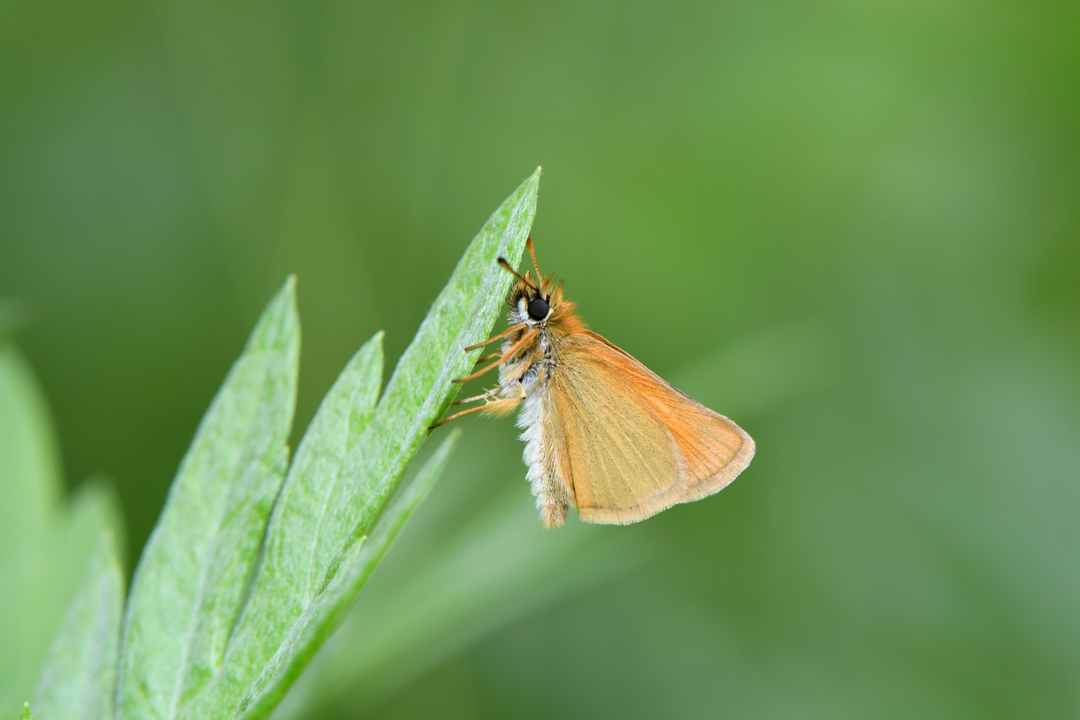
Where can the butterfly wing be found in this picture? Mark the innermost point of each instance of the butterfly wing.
(628, 444)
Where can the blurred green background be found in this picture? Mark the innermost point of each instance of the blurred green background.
(853, 227)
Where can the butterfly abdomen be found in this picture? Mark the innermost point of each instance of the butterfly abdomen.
(552, 496)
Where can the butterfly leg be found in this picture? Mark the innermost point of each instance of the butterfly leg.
(498, 407)
(488, 395)
(500, 336)
(525, 340)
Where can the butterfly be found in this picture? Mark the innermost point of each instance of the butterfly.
(602, 432)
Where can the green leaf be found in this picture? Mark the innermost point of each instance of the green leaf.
(191, 581)
(421, 388)
(285, 585)
(348, 466)
(92, 510)
(29, 491)
(319, 619)
(30, 479)
(78, 678)
(44, 543)
(26, 714)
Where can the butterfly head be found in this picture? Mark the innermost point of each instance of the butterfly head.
(534, 303)
(539, 302)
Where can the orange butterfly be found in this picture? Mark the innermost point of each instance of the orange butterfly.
(602, 432)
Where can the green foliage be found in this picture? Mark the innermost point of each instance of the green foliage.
(327, 608)
(190, 583)
(253, 563)
(27, 449)
(44, 543)
(29, 486)
(456, 578)
(323, 518)
(78, 678)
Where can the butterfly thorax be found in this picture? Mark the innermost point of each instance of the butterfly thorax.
(528, 376)
(519, 375)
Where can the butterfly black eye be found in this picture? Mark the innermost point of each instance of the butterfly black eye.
(538, 308)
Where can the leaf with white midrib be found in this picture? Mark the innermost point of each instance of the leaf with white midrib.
(229, 603)
(348, 466)
(325, 613)
(281, 591)
(191, 579)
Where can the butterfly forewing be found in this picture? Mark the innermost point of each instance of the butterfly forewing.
(615, 455)
(628, 444)
(716, 449)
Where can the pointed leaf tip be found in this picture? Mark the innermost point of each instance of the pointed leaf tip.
(288, 290)
(346, 468)
(190, 584)
(305, 532)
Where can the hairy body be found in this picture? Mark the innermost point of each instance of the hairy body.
(601, 431)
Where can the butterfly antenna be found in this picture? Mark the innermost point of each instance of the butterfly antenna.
(506, 266)
(529, 244)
